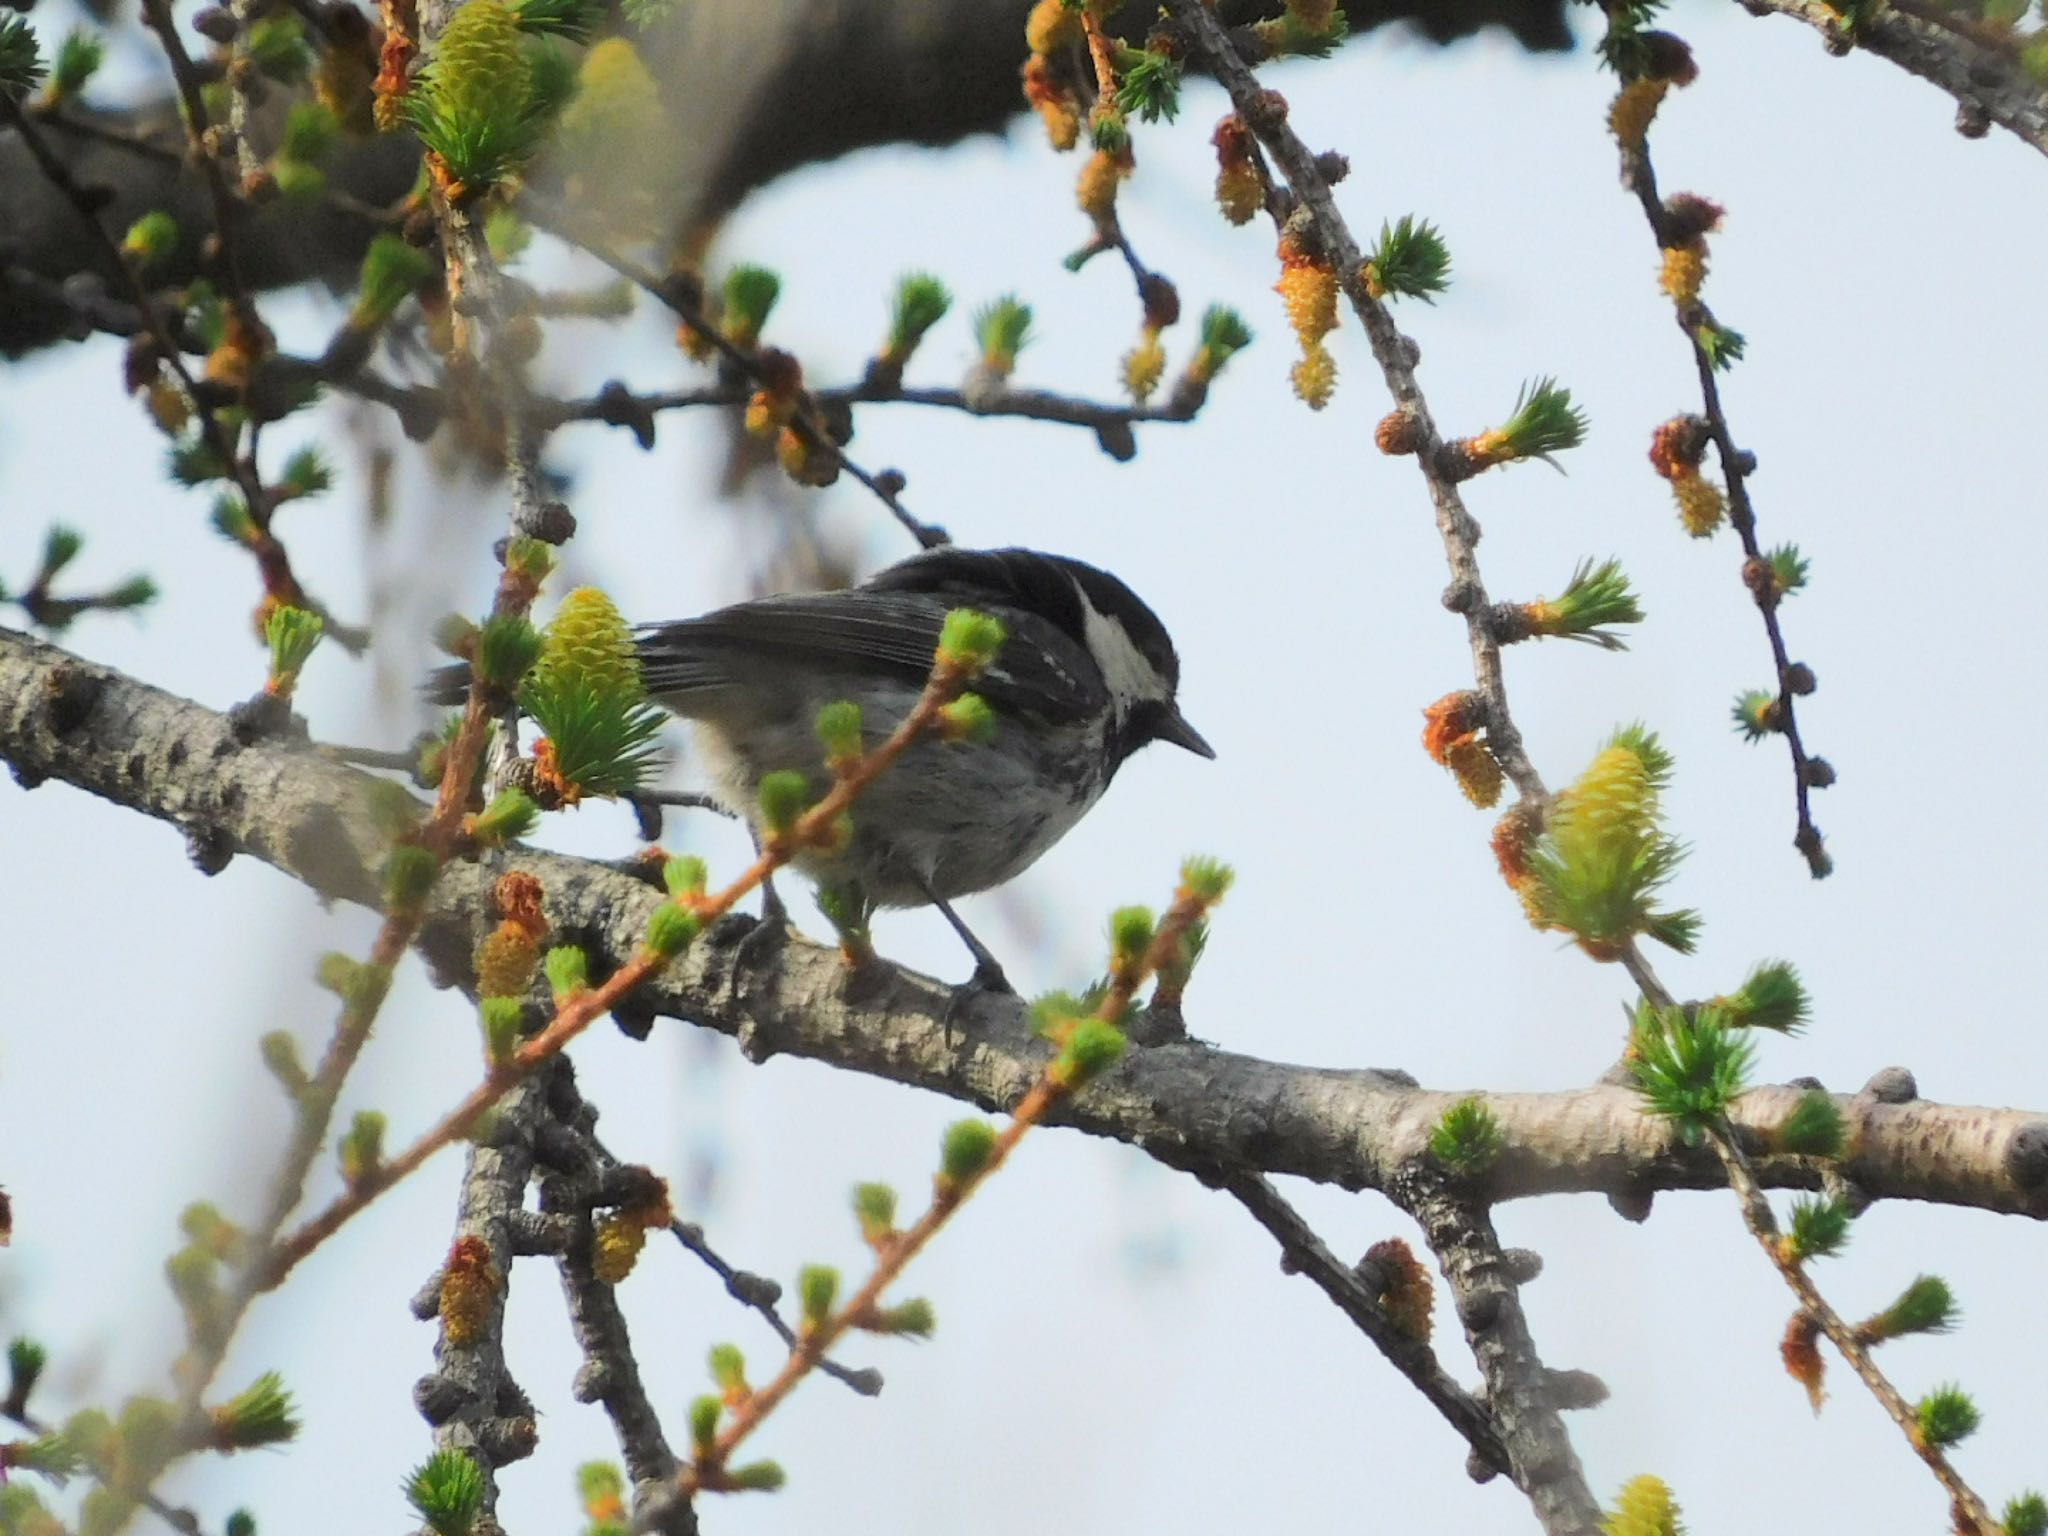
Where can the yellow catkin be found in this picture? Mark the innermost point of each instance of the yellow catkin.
(1051, 27)
(506, 961)
(1239, 193)
(1315, 378)
(769, 411)
(1308, 292)
(1144, 366)
(168, 406)
(615, 1248)
(1630, 117)
(1054, 102)
(1062, 118)
(1513, 835)
(1645, 1508)
(1096, 189)
(1685, 269)
(1701, 505)
(469, 1286)
(1477, 770)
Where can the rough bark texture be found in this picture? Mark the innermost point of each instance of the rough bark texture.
(1188, 1104)
(572, 1182)
(1525, 1413)
(471, 1399)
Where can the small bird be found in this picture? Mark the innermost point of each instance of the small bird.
(1086, 677)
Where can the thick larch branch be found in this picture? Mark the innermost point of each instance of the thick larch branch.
(1188, 1104)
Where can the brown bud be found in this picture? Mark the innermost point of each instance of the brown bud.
(1761, 580)
(1667, 57)
(1399, 432)
(1161, 300)
(1687, 216)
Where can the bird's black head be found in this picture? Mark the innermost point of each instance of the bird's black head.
(1129, 646)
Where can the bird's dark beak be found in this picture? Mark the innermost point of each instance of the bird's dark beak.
(1175, 728)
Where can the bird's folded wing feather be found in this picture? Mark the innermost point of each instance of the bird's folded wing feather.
(857, 635)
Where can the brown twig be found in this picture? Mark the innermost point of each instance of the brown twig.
(618, 406)
(156, 15)
(99, 133)
(1307, 1254)
(1763, 1226)
(896, 1255)
(1988, 85)
(576, 1013)
(1640, 177)
(679, 297)
(895, 1250)
(1265, 113)
(1538, 1449)
(279, 580)
(175, 1516)
(570, 1175)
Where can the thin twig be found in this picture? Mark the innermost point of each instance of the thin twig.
(1988, 85)
(610, 1375)
(576, 1013)
(677, 297)
(1640, 177)
(1266, 114)
(99, 133)
(176, 1517)
(274, 564)
(1307, 1253)
(1763, 1226)
(1544, 1466)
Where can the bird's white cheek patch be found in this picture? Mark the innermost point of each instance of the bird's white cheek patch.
(1129, 676)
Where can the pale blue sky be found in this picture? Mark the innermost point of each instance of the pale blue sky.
(1878, 264)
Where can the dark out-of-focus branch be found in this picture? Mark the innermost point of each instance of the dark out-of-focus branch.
(752, 92)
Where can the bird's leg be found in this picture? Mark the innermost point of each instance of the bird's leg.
(988, 971)
(765, 939)
(773, 912)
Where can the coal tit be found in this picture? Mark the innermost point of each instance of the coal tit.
(1087, 676)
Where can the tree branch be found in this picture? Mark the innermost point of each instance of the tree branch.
(1306, 1253)
(470, 1398)
(1988, 83)
(1524, 1412)
(1189, 1105)
(570, 1175)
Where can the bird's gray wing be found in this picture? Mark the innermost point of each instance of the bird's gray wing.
(844, 638)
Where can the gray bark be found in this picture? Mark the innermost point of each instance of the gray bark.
(1188, 1104)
